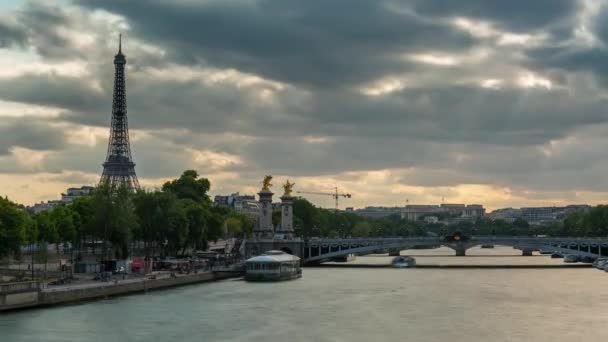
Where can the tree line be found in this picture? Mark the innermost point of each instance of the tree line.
(180, 217)
(310, 221)
(177, 218)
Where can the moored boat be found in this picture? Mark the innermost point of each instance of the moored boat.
(273, 266)
(403, 262)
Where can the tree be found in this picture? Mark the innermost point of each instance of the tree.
(197, 216)
(215, 223)
(113, 218)
(63, 218)
(14, 227)
(188, 185)
(521, 223)
(47, 229)
(84, 212)
(234, 226)
(362, 229)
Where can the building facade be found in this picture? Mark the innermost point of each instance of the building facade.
(68, 197)
(538, 215)
(417, 212)
(245, 204)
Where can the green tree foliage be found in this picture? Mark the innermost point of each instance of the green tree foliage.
(189, 185)
(239, 225)
(15, 225)
(65, 219)
(84, 210)
(113, 217)
(157, 212)
(215, 222)
(362, 229)
(310, 221)
(197, 216)
(47, 229)
(592, 223)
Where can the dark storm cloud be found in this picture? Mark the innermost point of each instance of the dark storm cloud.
(314, 43)
(11, 35)
(28, 133)
(446, 131)
(591, 59)
(52, 90)
(512, 15)
(457, 114)
(40, 23)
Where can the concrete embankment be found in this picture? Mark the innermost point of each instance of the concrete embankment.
(76, 293)
(455, 266)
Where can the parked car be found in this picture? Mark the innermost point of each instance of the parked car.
(556, 255)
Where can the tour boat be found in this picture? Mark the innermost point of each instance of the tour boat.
(273, 266)
(403, 262)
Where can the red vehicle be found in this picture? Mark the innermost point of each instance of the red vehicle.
(137, 265)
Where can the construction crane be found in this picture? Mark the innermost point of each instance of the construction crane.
(334, 194)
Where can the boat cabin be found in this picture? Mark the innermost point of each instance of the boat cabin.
(273, 266)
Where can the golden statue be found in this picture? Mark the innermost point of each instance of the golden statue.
(266, 183)
(288, 187)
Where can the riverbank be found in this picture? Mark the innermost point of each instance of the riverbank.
(64, 294)
(336, 265)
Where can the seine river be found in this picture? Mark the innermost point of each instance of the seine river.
(349, 304)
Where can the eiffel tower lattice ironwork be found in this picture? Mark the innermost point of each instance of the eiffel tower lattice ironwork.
(119, 168)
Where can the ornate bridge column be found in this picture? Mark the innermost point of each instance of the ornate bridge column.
(285, 231)
(263, 229)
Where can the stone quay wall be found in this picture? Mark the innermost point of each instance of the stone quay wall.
(70, 294)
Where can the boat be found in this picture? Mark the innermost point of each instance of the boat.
(571, 258)
(587, 259)
(273, 266)
(403, 262)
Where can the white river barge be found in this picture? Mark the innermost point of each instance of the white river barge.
(273, 266)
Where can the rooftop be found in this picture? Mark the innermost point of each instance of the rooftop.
(273, 256)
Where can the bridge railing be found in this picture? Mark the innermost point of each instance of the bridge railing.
(316, 249)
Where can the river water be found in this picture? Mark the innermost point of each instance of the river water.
(348, 304)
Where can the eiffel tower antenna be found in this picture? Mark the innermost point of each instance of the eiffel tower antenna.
(119, 168)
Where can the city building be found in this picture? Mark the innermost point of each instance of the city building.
(538, 215)
(415, 212)
(505, 214)
(245, 204)
(378, 212)
(68, 197)
(72, 193)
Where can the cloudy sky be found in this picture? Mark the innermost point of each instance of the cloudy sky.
(497, 102)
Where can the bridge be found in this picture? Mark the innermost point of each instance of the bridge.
(320, 250)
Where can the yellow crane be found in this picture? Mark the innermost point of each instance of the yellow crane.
(334, 194)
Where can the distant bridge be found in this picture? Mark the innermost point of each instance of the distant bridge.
(320, 250)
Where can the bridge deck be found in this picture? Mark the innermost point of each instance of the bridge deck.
(317, 250)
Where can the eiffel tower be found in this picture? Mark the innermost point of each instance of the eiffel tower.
(119, 168)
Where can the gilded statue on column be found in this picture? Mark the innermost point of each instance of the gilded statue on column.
(266, 183)
(288, 188)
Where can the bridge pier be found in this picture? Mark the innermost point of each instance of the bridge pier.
(461, 251)
(394, 252)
